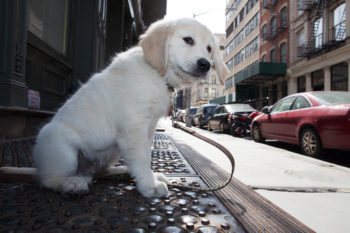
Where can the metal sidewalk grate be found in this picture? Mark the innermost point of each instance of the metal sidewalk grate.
(114, 206)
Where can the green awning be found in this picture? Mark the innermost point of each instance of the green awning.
(223, 99)
(269, 70)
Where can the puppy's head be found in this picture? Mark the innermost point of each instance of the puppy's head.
(183, 50)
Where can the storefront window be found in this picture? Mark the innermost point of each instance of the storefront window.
(47, 19)
(302, 84)
(318, 80)
(339, 77)
(284, 88)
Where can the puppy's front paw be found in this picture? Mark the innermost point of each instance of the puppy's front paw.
(75, 184)
(160, 177)
(161, 189)
(154, 188)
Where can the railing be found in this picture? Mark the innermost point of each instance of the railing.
(269, 4)
(318, 44)
(305, 5)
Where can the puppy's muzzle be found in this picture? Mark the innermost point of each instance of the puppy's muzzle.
(203, 65)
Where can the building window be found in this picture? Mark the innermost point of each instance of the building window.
(238, 58)
(318, 32)
(302, 84)
(301, 38)
(248, 28)
(229, 30)
(264, 32)
(273, 55)
(301, 42)
(228, 83)
(317, 80)
(206, 92)
(213, 93)
(213, 79)
(284, 17)
(273, 26)
(250, 4)
(48, 20)
(339, 77)
(236, 3)
(241, 15)
(283, 52)
(228, 15)
(253, 46)
(265, 3)
(264, 58)
(229, 64)
(229, 48)
(339, 26)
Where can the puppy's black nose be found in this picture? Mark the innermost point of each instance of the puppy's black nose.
(203, 65)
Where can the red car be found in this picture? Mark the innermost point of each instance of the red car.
(312, 120)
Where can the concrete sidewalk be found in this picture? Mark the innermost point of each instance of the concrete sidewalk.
(315, 192)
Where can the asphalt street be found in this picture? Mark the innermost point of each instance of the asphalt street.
(315, 192)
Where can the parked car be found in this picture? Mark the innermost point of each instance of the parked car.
(221, 117)
(190, 113)
(312, 120)
(202, 114)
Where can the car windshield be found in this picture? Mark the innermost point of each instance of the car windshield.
(240, 108)
(330, 98)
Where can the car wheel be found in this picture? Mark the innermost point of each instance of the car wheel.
(310, 143)
(256, 133)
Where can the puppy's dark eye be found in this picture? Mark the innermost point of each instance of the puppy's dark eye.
(189, 40)
(209, 49)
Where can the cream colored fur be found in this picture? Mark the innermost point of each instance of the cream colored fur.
(115, 113)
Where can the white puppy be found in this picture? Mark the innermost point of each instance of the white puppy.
(115, 113)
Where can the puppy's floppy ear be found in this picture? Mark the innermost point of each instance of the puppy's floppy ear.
(155, 47)
(220, 66)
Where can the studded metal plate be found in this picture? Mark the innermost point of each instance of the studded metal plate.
(111, 207)
(116, 206)
(167, 159)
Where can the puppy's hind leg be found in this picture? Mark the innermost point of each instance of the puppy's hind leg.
(57, 163)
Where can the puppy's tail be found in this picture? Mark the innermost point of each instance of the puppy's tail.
(18, 174)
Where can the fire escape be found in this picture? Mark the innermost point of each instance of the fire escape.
(276, 27)
(317, 42)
